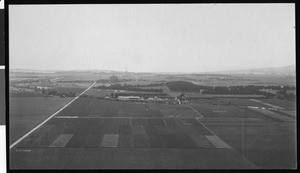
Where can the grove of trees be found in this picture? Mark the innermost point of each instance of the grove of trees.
(183, 86)
(118, 86)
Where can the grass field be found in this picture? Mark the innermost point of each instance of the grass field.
(242, 102)
(82, 84)
(220, 111)
(68, 89)
(31, 93)
(16, 93)
(26, 112)
(286, 104)
(99, 92)
(272, 115)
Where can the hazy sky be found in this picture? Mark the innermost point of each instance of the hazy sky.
(152, 38)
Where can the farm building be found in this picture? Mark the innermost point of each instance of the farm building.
(128, 98)
(41, 87)
(150, 99)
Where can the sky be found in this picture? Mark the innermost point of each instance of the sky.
(151, 37)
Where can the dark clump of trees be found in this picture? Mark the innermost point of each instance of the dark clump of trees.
(75, 81)
(243, 90)
(145, 85)
(183, 86)
(144, 95)
(114, 79)
(103, 81)
(118, 86)
(285, 95)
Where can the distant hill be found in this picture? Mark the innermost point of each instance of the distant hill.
(286, 70)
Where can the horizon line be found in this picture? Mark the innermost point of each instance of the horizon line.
(217, 71)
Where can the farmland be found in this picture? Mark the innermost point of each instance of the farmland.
(67, 89)
(286, 104)
(142, 128)
(151, 86)
(209, 131)
(25, 94)
(87, 107)
(27, 112)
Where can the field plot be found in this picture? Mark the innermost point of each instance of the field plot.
(181, 111)
(21, 93)
(242, 102)
(105, 134)
(26, 112)
(221, 111)
(99, 127)
(81, 84)
(68, 89)
(286, 104)
(104, 108)
(265, 138)
(286, 109)
(264, 143)
(107, 108)
(291, 113)
(133, 142)
(99, 92)
(271, 114)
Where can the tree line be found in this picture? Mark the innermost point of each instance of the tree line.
(118, 86)
(144, 95)
(183, 86)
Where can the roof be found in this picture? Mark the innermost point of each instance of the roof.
(127, 97)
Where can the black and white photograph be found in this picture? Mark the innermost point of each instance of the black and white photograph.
(152, 86)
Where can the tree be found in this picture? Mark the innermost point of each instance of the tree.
(181, 97)
(114, 79)
(112, 95)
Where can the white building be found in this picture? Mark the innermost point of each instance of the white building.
(150, 99)
(128, 98)
(41, 87)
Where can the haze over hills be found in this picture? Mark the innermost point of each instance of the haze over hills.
(285, 70)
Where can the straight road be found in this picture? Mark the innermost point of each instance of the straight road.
(27, 134)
